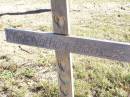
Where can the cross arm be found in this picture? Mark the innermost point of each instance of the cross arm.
(99, 48)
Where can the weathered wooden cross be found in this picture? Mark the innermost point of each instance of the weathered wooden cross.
(65, 44)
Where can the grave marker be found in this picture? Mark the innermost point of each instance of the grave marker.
(63, 44)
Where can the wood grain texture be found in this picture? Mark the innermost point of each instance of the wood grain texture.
(60, 12)
(91, 47)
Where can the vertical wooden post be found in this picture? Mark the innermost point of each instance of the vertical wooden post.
(60, 12)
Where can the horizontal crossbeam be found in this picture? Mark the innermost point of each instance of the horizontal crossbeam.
(91, 47)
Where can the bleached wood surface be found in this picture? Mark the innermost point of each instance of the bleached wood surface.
(60, 12)
(92, 47)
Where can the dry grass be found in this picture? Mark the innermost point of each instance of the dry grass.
(33, 73)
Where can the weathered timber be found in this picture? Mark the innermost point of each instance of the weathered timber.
(60, 11)
(99, 48)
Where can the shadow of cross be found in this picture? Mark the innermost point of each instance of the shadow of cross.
(63, 44)
(26, 12)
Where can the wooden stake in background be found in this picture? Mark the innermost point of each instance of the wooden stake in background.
(60, 12)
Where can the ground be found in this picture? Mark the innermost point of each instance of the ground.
(29, 71)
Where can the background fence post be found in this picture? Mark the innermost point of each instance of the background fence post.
(60, 12)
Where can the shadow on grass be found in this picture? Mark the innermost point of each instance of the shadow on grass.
(26, 12)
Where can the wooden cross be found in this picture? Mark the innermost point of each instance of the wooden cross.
(64, 45)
